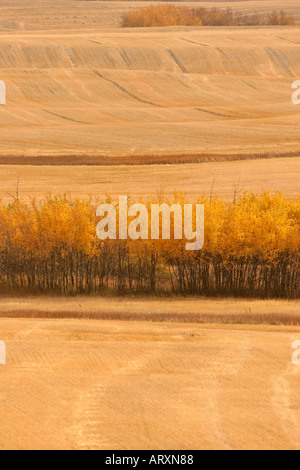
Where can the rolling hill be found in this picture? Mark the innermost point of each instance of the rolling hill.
(152, 92)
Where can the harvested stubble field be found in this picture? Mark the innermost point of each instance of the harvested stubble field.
(220, 178)
(133, 385)
(91, 95)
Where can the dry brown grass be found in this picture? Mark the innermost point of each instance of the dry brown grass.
(203, 318)
(185, 310)
(145, 159)
(72, 384)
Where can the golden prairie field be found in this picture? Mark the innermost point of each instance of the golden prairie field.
(147, 181)
(103, 93)
(89, 106)
(186, 93)
(86, 384)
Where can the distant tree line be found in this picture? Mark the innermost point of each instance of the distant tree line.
(252, 249)
(172, 15)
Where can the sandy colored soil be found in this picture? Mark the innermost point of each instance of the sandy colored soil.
(142, 93)
(109, 385)
(280, 174)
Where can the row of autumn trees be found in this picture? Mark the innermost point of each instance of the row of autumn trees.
(172, 15)
(251, 249)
